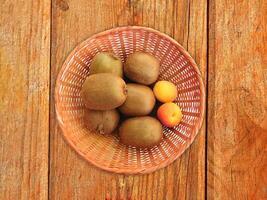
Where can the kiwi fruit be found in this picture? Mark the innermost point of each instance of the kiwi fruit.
(142, 68)
(140, 100)
(141, 131)
(106, 63)
(104, 122)
(103, 91)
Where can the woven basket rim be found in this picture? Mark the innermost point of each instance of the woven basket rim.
(197, 126)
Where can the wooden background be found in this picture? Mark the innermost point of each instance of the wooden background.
(227, 39)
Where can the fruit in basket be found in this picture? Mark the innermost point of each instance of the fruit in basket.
(165, 91)
(140, 100)
(142, 68)
(141, 131)
(106, 63)
(104, 122)
(103, 91)
(169, 114)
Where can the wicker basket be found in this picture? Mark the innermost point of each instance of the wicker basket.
(106, 152)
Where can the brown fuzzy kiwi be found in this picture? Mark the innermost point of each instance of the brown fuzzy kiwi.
(139, 102)
(141, 131)
(106, 63)
(103, 91)
(104, 122)
(142, 68)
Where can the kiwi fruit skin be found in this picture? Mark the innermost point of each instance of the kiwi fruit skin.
(141, 132)
(142, 68)
(105, 62)
(103, 91)
(139, 102)
(103, 122)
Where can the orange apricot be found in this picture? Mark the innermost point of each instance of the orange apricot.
(169, 114)
(165, 91)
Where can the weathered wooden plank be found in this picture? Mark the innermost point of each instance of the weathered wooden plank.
(70, 176)
(24, 94)
(237, 112)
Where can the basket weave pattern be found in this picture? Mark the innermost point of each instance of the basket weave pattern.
(107, 152)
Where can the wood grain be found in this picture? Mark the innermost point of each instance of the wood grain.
(237, 112)
(72, 22)
(24, 98)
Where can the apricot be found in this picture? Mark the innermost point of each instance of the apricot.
(169, 114)
(165, 91)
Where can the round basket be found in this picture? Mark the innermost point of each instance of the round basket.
(106, 152)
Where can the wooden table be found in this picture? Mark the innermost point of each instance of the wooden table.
(227, 39)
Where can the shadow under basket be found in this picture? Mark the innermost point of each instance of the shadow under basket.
(106, 152)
